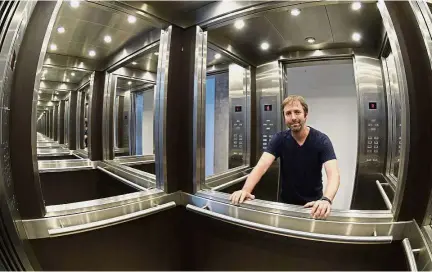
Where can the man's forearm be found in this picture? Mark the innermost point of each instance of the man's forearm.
(332, 187)
(253, 179)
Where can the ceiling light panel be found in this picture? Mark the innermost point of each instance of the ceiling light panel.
(265, 46)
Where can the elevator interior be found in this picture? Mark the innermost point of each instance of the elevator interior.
(341, 61)
(82, 39)
(235, 112)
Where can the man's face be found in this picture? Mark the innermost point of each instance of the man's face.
(295, 117)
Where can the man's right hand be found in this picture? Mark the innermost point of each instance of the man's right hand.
(240, 196)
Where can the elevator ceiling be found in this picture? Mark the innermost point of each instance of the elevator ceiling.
(329, 26)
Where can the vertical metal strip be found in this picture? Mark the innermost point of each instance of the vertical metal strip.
(402, 82)
(160, 109)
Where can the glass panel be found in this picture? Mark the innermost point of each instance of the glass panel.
(226, 115)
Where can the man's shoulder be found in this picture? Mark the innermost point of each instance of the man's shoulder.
(320, 136)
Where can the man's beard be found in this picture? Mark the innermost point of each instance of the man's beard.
(296, 128)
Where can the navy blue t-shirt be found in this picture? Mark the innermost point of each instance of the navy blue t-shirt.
(300, 171)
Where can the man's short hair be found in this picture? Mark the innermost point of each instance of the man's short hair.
(292, 98)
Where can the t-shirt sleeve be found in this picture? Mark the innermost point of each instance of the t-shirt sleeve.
(327, 152)
(275, 144)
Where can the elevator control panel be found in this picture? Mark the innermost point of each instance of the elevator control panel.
(268, 124)
(374, 129)
(238, 132)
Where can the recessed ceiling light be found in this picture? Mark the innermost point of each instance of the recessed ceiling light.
(53, 47)
(156, 53)
(310, 39)
(356, 36)
(107, 39)
(265, 45)
(61, 30)
(74, 4)
(92, 53)
(134, 63)
(72, 74)
(56, 93)
(129, 82)
(67, 80)
(295, 12)
(131, 19)
(356, 6)
(217, 56)
(239, 24)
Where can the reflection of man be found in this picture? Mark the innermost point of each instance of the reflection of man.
(303, 151)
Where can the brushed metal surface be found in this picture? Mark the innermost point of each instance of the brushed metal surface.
(38, 228)
(299, 211)
(110, 221)
(294, 233)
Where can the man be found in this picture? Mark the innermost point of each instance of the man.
(303, 151)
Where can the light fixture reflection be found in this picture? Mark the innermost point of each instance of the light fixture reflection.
(92, 53)
(61, 30)
(74, 4)
(129, 82)
(239, 24)
(217, 56)
(134, 63)
(131, 19)
(295, 12)
(310, 39)
(53, 47)
(356, 37)
(107, 39)
(356, 6)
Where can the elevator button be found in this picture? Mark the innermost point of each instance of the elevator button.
(264, 136)
(375, 146)
(376, 138)
(369, 151)
(375, 142)
(370, 137)
(373, 129)
(369, 146)
(369, 142)
(375, 151)
(267, 128)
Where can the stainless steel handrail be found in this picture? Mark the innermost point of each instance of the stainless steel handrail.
(122, 179)
(409, 254)
(294, 233)
(229, 183)
(384, 195)
(111, 221)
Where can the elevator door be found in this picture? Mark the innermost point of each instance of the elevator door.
(330, 91)
(143, 121)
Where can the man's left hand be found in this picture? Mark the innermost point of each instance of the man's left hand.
(320, 209)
